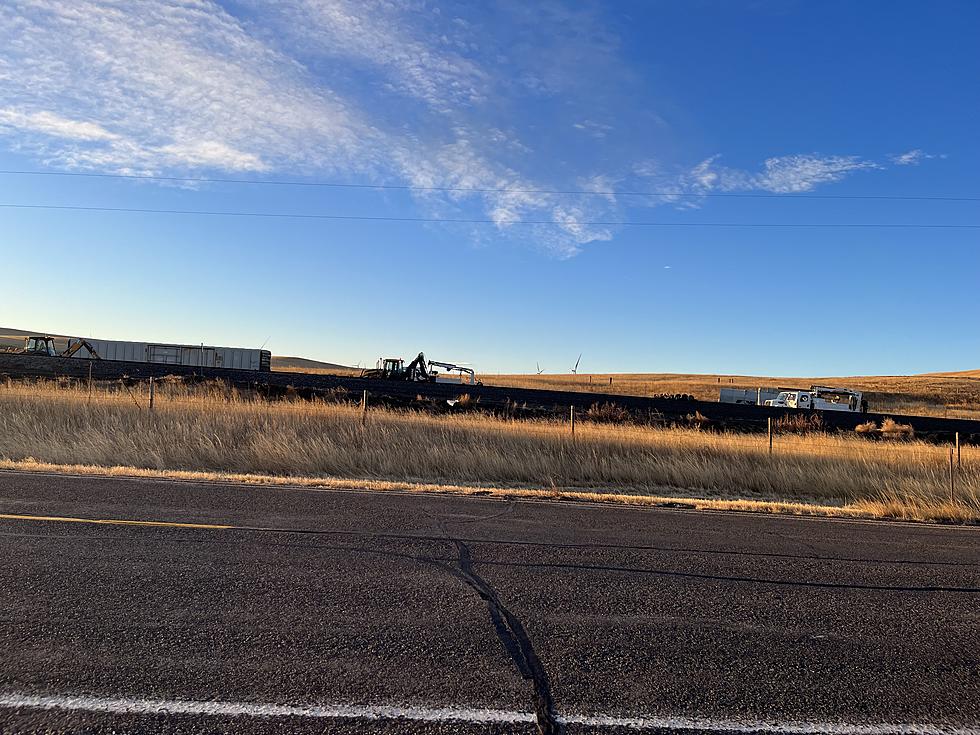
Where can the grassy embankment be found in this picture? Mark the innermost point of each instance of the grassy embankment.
(214, 434)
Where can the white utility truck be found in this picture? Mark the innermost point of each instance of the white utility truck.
(819, 397)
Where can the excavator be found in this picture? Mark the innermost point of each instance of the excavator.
(417, 371)
(44, 346)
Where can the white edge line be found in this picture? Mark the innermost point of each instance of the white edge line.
(138, 706)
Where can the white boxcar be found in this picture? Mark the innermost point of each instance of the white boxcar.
(188, 355)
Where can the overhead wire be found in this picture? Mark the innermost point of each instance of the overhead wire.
(495, 190)
(487, 221)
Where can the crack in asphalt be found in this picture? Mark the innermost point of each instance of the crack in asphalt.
(517, 642)
(376, 535)
(508, 627)
(363, 548)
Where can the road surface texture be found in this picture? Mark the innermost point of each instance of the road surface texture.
(261, 610)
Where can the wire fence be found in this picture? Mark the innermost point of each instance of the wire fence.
(951, 469)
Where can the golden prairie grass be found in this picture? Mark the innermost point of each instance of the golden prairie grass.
(216, 431)
(956, 395)
(344, 372)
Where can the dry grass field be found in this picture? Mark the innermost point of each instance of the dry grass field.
(216, 431)
(956, 395)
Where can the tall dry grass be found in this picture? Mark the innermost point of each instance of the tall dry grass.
(215, 429)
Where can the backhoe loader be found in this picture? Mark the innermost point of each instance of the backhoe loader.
(394, 368)
(420, 371)
(44, 346)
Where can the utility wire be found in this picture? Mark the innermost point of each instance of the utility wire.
(476, 221)
(491, 190)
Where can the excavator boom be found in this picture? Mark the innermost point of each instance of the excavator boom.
(76, 345)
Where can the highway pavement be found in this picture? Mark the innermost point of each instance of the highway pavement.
(165, 606)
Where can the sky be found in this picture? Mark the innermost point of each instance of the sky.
(505, 184)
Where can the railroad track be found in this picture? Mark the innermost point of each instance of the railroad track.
(491, 397)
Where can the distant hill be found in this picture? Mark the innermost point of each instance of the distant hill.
(302, 364)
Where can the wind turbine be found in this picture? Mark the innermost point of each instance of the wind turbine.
(536, 365)
(575, 369)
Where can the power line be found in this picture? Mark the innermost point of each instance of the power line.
(477, 221)
(492, 190)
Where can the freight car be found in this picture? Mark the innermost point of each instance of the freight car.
(167, 354)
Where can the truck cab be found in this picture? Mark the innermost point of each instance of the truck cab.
(40, 345)
(392, 367)
(791, 399)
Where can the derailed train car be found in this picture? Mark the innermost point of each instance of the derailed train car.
(235, 358)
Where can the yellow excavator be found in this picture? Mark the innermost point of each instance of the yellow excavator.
(43, 345)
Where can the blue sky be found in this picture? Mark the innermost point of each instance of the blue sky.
(690, 103)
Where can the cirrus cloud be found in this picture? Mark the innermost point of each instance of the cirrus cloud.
(373, 91)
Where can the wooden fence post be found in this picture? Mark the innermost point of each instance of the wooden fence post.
(151, 393)
(364, 405)
(89, 381)
(769, 425)
(572, 420)
(957, 450)
(952, 487)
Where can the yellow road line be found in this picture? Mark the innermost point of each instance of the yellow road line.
(113, 522)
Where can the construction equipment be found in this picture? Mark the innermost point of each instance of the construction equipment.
(43, 345)
(464, 375)
(820, 397)
(419, 371)
(394, 368)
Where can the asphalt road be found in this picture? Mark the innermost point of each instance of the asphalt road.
(293, 610)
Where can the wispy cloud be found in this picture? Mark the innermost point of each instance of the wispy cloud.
(779, 175)
(183, 85)
(381, 34)
(593, 128)
(798, 173)
(913, 157)
(51, 124)
(365, 90)
(177, 84)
